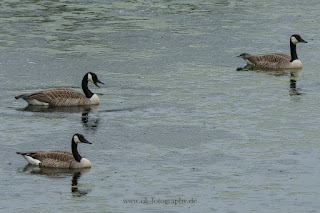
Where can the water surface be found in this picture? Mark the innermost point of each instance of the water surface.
(176, 119)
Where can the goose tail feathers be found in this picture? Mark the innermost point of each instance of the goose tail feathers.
(19, 96)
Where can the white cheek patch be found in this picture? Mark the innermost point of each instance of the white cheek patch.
(76, 139)
(294, 40)
(90, 78)
(249, 62)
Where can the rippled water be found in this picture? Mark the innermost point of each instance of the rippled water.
(177, 119)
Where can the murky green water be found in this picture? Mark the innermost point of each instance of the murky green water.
(176, 119)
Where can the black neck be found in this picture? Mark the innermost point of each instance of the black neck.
(75, 152)
(85, 88)
(293, 50)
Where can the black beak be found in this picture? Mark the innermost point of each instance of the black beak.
(96, 83)
(303, 41)
(85, 141)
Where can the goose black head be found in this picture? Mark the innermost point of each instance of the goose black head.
(78, 138)
(94, 79)
(295, 39)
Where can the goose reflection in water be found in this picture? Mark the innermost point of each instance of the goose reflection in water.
(293, 83)
(55, 109)
(88, 123)
(62, 173)
(294, 73)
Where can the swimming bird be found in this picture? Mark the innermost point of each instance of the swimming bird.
(65, 97)
(277, 60)
(59, 159)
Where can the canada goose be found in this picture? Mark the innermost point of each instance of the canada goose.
(59, 159)
(276, 60)
(65, 97)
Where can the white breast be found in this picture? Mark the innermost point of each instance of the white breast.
(295, 64)
(94, 99)
(85, 163)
